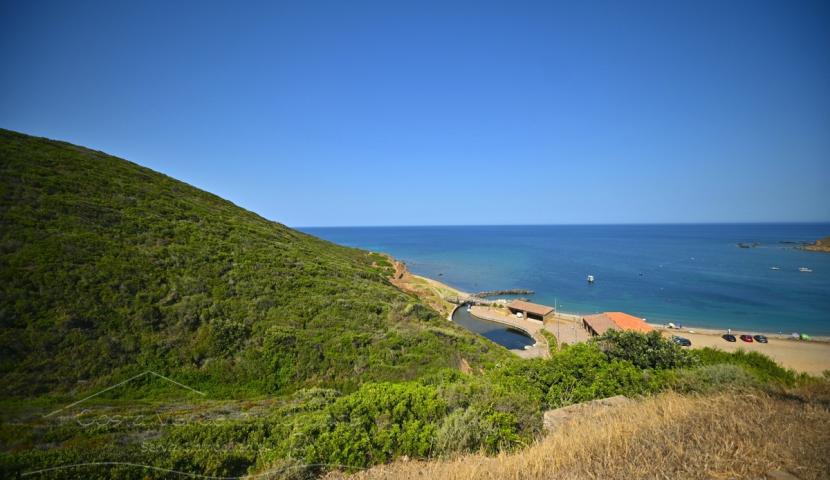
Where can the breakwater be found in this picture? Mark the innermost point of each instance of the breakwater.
(512, 291)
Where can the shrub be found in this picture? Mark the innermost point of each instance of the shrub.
(279, 347)
(583, 372)
(378, 423)
(711, 378)
(762, 367)
(312, 399)
(649, 350)
(227, 336)
(503, 407)
(462, 431)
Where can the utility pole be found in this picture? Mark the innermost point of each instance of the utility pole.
(558, 321)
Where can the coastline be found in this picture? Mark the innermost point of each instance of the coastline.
(692, 274)
(446, 291)
(720, 331)
(438, 285)
(809, 356)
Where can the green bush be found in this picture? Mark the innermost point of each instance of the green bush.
(584, 372)
(713, 378)
(378, 423)
(472, 430)
(575, 374)
(649, 350)
(228, 336)
(762, 367)
(464, 430)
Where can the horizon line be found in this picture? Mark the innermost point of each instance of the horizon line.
(815, 222)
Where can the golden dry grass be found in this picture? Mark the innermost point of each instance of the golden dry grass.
(727, 435)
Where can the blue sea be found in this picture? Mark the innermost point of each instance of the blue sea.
(690, 274)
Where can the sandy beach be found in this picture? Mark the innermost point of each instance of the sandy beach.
(811, 356)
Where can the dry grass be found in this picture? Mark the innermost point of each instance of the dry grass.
(728, 435)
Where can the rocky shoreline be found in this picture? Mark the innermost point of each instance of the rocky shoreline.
(822, 245)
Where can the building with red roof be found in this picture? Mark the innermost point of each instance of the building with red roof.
(602, 322)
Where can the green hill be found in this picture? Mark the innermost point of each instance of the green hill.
(110, 268)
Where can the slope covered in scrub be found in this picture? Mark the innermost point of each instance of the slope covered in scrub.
(109, 268)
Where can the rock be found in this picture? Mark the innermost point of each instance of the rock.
(554, 418)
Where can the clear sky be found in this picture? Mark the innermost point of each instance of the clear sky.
(413, 113)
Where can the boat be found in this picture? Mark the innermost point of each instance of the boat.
(774, 268)
(590, 279)
(804, 270)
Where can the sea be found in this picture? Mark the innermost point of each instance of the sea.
(693, 275)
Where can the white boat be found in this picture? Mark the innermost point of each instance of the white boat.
(804, 270)
(774, 268)
(590, 279)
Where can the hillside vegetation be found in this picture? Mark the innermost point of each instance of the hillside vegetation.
(305, 357)
(109, 268)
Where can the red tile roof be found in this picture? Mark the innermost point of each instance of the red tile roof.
(603, 322)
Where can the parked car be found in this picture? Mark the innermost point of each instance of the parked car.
(729, 337)
(760, 338)
(683, 342)
(746, 338)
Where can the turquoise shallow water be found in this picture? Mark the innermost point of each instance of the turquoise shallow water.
(692, 274)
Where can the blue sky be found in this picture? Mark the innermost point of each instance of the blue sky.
(414, 113)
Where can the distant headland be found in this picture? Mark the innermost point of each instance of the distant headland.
(822, 245)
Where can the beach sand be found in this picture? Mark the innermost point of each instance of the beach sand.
(812, 357)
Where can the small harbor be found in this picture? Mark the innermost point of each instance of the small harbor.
(505, 335)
